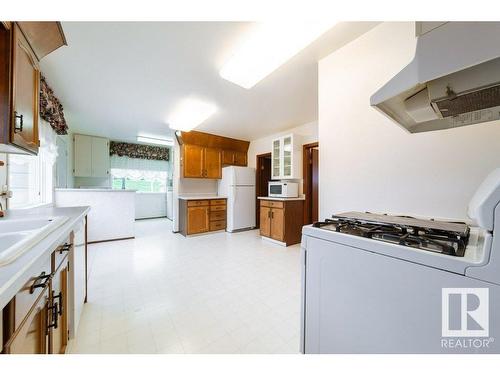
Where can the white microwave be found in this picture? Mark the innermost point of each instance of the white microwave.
(283, 189)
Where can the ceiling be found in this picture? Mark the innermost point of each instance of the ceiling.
(118, 79)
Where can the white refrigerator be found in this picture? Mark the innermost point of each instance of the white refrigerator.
(238, 185)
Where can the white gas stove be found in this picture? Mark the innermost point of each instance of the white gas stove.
(377, 283)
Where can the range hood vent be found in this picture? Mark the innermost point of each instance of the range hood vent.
(453, 80)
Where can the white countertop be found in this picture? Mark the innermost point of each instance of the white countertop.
(282, 199)
(189, 197)
(100, 190)
(14, 275)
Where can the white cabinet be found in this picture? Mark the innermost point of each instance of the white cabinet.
(285, 159)
(91, 156)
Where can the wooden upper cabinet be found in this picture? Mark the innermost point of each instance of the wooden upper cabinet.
(227, 157)
(45, 37)
(192, 161)
(212, 161)
(26, 78)
(240, 158)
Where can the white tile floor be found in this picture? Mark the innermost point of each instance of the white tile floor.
(216, 293)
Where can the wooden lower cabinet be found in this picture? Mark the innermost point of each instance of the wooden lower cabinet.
(32, 337)
(201, 215)
(282, 220)
(59, 310)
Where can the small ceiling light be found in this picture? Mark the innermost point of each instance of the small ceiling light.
(155, 141)
(268, 47)
(190, 113)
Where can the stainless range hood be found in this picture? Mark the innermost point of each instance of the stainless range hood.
(453, 80)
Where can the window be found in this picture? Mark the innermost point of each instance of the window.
(147, 176)
(30, 178)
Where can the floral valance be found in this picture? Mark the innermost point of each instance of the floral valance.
(51, 110)
(133, 150)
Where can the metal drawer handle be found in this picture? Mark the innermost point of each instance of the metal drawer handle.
(20, 117)
(44, 281)
(59, 297)
(65, 247)
(55, 316)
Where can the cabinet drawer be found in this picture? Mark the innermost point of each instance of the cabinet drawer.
(276, 204)
(217, 215)
(28, 294)
(197, 203)
(218, 208)
(217, 202)
(218, 225)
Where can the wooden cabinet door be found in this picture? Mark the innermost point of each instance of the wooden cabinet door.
(193, 166)
(100, 157)
(198, 220)
(26, 82)
(82, 155)
(59, 302)
(31, 337)
(213, 165)
(265, 221)
(277, 224)
(240, 158)
(227, 157)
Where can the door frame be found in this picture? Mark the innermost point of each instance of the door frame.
(258, 176)
(306, 170)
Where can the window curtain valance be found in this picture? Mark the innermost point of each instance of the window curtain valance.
(125, 167)
(137, 151)
(51, 110)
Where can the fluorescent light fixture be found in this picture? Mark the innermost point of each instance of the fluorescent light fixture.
(268, 47)
(190, 113)
(155, 141)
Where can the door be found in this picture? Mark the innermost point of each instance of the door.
(276, 159)
(277, 224)
(240, 158)
(100, 157)
(197, 220)
(242, 209)
(26, 77)
(212, 161)
(83, 155)
(193, 161)
(227, 157)
(263, 174)
(287, 157)
(265, 221)
(62, 163)
(32, 338)
(59, 304)
(315, 185)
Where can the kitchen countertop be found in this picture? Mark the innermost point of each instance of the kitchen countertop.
(14, 275)
(282, 199)
(200, 196)
(101, 190)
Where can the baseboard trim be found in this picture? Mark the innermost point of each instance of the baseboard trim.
(274, 241)
(114, 239)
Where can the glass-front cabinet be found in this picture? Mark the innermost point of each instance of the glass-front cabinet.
(284, 157)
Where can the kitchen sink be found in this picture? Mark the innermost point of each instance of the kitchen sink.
(19, 235)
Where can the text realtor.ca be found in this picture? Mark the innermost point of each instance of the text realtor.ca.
(465, 318)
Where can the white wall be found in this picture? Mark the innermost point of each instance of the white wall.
(368, 163)
(308, 133)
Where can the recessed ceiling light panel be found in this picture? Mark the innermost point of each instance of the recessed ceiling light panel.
(189, 113)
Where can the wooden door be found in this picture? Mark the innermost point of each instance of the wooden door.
(100, 157)
(315, 185)
(198, 220)
(213, 165)
(59, 302)
(240, 158)
(278, 224)
(26, 82)
(82, 156)
(227, 157)
(31, 337)
(263, 176)
(265, 221)
(193, 161)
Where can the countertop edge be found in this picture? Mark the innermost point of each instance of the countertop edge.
(282, 199)
(46, 245)
(200, 197)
